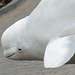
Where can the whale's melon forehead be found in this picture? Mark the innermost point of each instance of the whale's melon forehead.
(7, 43)
(8, 38)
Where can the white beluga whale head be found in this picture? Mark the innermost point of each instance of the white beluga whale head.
(14, 44)
(48, 34)
(17, 44)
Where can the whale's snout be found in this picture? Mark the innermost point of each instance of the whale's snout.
(8, 54)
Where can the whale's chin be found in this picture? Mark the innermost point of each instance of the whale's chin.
(9, 56)
(14, 56)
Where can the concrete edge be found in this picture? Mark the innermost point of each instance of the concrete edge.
(10, 6)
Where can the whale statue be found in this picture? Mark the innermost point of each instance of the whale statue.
(47, 34)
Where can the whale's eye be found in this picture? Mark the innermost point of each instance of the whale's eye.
(19, 49)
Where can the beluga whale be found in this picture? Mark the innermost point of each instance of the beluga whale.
(47, 34)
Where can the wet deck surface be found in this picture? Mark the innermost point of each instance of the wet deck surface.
(10, 67)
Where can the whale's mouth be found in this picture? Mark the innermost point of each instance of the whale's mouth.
(10, 55)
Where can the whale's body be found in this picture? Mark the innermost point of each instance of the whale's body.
(50, 20)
